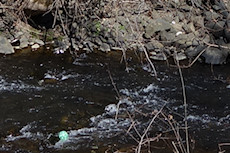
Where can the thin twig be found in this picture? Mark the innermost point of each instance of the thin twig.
(147, 129)
(185, 105)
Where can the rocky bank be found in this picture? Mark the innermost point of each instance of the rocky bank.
(160, 30)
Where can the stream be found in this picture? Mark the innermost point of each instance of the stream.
(42, 93)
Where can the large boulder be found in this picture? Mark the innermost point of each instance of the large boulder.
(5, 46)
(215, 55)
(38, 5)
(156, 26)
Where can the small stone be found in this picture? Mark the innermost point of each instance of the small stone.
(90, 45)
(117, 48)
(35, 46)
(104, 47)
(74, 25)
(24, 42)
(111, 41)
(5, 46)
(98, 41)
(195, 42)
(40, 42)
(153, 53)
(191, 27)
(159, 57)
(87, 50)
(17, 47)
(180, 56)
(18, 34)
(31, 43)
(179, 33)
(149, 46)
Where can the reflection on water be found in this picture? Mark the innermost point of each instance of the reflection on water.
(43, 93)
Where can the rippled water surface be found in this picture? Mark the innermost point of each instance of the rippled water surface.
(43, 93)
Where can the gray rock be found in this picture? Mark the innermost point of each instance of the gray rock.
(89, 45)
(206, 39)
(149, 46)
(103, 39)
(111, 42)
(98, 41)
(198, 21)
(190, 27)
(140, 48)
(211, 15)
(181, 15)
(35, 46)
(87, 50)
(153, 44)
(117, 48)
(180, 56)
(194, 51)
(40, 42)
(215, 55)
(156, 26)
(5, 46)
(227, 33)
(158, 56)
(24, 42)
(157, 44)
(216, 7)
(168, 36)
(104, 47)
(185, 40)
(195, 42)
(216, 27)
(18, 34)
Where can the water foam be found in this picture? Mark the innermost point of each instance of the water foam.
(16, 86)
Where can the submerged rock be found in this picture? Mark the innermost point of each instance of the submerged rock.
(5, 46)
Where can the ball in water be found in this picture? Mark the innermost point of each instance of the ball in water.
(63, 135)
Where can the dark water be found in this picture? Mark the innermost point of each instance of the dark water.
(42, 93)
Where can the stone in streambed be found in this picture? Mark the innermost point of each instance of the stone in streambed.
(5, 46)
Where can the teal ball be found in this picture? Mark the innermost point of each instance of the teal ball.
(63, 135)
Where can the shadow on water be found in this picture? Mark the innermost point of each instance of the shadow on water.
(43, 93)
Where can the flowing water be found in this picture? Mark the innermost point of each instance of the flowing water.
(42, 93)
